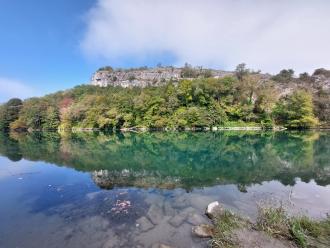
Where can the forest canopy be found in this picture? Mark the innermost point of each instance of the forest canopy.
(246, 98)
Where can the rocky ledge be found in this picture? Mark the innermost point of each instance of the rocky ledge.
(143, 77)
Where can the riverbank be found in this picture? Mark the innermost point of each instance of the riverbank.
(193, 129)
(273, 228)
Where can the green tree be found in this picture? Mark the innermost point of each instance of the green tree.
(322, 105)
(296, 111)
(33, 113)
(241, 71)
(285, 76)
(9, 112)
(188, 71)
(185, 92)
(52, 118)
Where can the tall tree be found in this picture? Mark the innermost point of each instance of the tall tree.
(241, 71)
(9, 112)
(296, 111)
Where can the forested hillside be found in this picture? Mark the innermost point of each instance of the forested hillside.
(245, 98)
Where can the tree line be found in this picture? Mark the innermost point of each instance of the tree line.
(246, 98)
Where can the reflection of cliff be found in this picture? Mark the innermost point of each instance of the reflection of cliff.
(187, 160)
(106, 179)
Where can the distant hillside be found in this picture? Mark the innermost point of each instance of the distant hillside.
(179, 98)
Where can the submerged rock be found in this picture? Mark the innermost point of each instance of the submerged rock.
(168, 209)
(213, 209)
(144, 224)
(159, 245)
(177, 220)
(196, 219)
(112, 243)
(155, 214)
(203, 231)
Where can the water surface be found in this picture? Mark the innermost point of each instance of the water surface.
(141, 190)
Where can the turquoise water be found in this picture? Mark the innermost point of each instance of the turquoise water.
(143, 189)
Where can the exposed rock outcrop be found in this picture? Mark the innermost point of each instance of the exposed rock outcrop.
(142, 77)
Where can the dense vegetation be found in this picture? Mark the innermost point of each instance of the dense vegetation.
(246, 98)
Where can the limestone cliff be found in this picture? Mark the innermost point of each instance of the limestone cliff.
(318, 82)
(142, 77)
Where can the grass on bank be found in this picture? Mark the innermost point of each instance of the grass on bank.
(301, 230)
(224, 224)
(304, 231)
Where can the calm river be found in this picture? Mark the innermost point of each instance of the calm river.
(147, 189)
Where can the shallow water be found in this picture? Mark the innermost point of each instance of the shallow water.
(142, 190)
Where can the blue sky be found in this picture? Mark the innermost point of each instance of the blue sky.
(39, 45)
(47, 46)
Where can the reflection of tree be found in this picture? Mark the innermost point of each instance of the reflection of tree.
(187, 160)
(10, 147)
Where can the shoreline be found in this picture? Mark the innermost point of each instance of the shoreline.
(192, 129)
(273, 227)
(187, 129)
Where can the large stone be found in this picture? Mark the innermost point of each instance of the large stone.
(213, 209)
(177, 220)
(203, 231)
(160, 245)
(144, 224)
(168, 209)
(112, 243)
(155, 214)
(196, 219)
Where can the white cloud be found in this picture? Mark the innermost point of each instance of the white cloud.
(10, 88)
(266, 34)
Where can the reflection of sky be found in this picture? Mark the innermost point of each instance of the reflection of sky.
(48, 206)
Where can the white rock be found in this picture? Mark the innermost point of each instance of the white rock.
(212, 209)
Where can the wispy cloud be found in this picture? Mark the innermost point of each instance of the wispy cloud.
(266, 34)
(10, 88)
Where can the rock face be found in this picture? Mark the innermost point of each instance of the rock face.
(99, 179)
(107, 179)
(142, 77)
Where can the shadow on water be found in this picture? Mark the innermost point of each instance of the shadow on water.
(168, 160)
